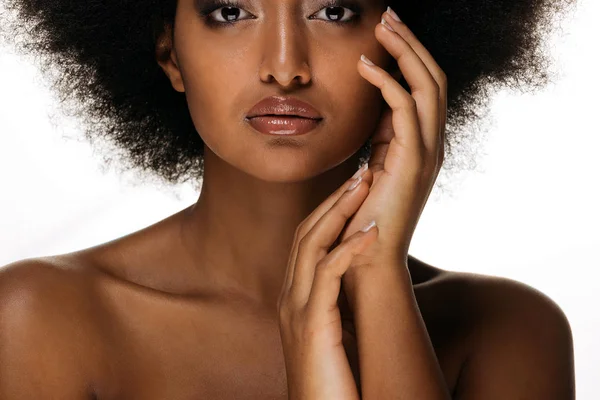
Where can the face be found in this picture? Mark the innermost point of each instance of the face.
(300, 48)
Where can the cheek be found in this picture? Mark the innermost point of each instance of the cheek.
(211, 93)
(355, 102)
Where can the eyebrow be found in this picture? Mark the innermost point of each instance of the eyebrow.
(223, 2)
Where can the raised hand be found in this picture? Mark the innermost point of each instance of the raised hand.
(397, 357)
(310, 322)
(408, 146)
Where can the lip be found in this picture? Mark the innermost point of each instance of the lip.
(283, 106)
(283, 125)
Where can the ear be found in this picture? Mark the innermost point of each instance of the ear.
(167, 58)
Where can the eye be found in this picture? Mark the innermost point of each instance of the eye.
(338, 14)
(229, 15)
(227, 12)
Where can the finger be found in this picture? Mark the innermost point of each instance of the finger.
(325, 288)
(309, 221)
(406, 150)
(424, 88)
(436, 73)
(316, 243)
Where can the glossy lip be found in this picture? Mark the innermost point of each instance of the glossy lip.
(280, 105)
(283, 125)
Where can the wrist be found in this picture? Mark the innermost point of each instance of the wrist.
(381, 269)
(387, 277)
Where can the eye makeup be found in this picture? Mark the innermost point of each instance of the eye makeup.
(206, 7)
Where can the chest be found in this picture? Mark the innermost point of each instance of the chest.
(213, 352)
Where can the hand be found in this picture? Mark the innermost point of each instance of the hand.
(407, 148)
(310, 322)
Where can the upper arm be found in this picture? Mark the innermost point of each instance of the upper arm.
(40, 354)
(522, 348)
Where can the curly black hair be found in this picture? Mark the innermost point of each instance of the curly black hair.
(101, 56)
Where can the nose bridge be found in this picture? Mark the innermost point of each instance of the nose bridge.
(285, 47)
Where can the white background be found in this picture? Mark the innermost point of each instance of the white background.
(530, 211)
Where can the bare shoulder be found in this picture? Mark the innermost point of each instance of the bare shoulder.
(42, 284)
(48, 340)
(518, 341)
(490, 297)
(495, 301)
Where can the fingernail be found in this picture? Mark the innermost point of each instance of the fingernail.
(361, 171)
(393, 14)
(355, 183)
(366, 60)
(371, 225)
(388, 26)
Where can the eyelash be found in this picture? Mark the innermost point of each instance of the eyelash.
(213, 5)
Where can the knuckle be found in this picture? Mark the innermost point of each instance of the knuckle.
(409, 102)
(322, 267)
(434, 90)
(442, 78)
(283, 307)
(297, 231)
(283, 299)
(288, 314)
(305, 243)
(346, 213)
(301, 231)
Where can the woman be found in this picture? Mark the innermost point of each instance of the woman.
(290, 276)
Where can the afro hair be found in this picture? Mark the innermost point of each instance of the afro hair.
(101, 56)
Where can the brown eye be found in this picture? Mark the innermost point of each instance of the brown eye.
(337, 14)
(229, 14)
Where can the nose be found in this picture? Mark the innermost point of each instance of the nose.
(286, 52)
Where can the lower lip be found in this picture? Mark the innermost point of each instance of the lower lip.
(283, 126)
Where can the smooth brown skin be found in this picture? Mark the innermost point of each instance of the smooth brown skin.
(187, 308)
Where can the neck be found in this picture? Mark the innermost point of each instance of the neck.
(240, 232)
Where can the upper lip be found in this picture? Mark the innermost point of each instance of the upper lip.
(279, 105)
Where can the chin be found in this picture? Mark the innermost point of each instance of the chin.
(294, 167)
(286, 159)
